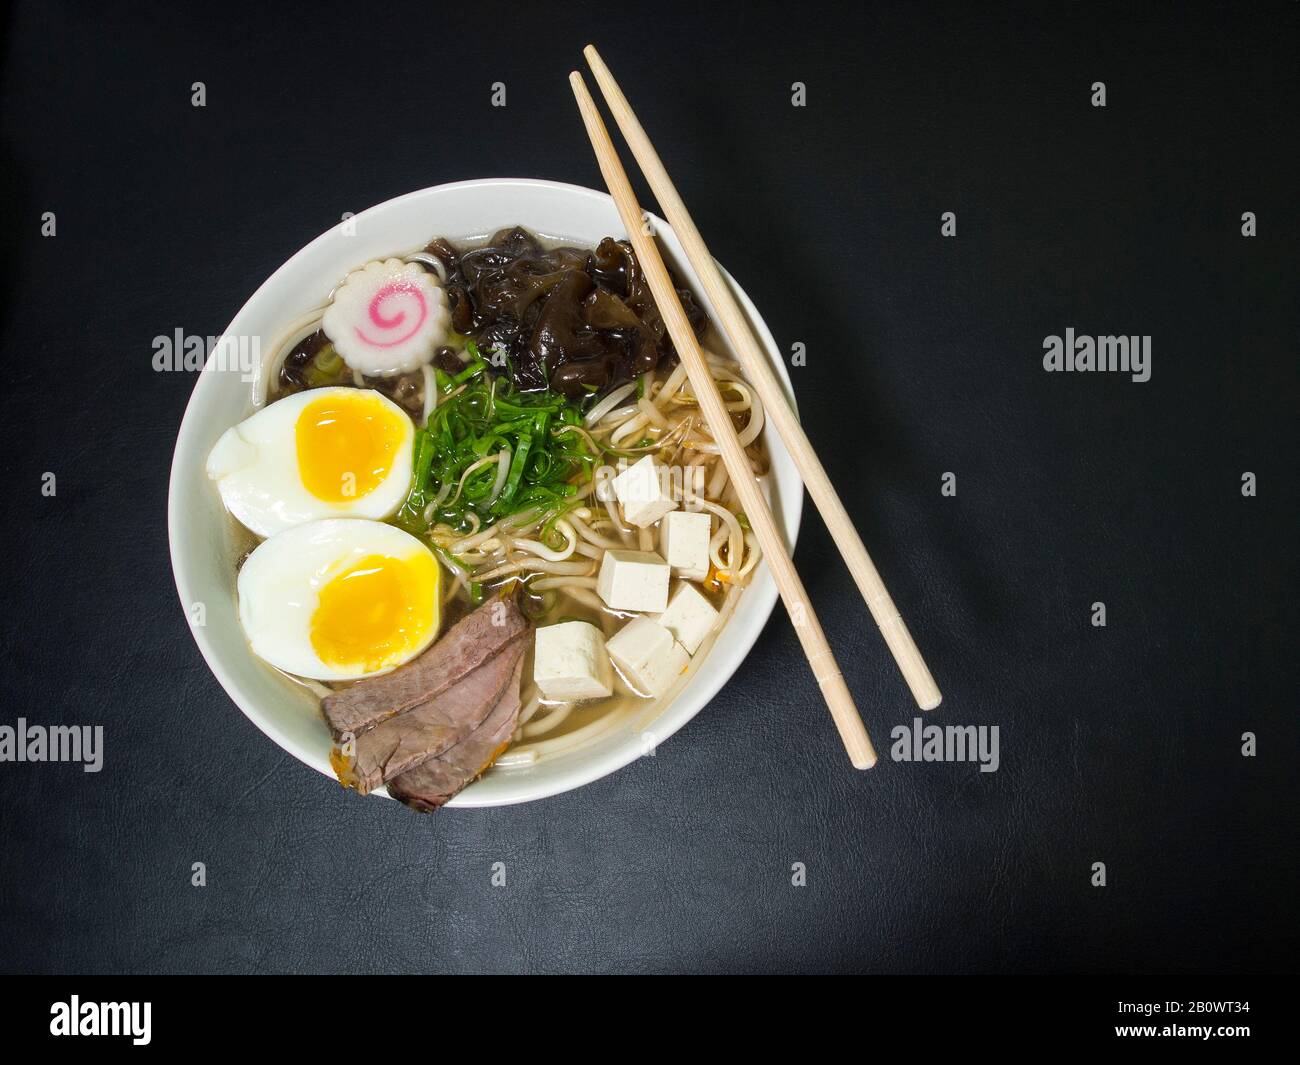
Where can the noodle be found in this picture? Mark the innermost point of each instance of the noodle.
(531, 700)
(543, 584)
(425, 259)
(536, 565)
(734, 535)
(301, 328)
(550, 721)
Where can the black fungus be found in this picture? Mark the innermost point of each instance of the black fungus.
(576, 320)
(446, 360)
(572, 319)
(293, 371)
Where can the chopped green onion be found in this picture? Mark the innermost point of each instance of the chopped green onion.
(517, 463)
(472, 370)
(487, 417)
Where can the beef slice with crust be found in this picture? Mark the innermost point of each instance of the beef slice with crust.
(464, 647)
(427, 730)
(432, 783)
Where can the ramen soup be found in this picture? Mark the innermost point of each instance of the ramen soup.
(482, 516)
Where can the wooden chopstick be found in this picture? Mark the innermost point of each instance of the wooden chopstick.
(825, 669)
(732, 318)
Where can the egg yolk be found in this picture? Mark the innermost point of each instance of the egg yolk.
(347, 445)
(377, 613)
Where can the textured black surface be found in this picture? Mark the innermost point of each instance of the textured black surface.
(1119, 744)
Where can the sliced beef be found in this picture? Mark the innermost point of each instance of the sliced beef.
(465, 646)
(409, 738)
(430, 784)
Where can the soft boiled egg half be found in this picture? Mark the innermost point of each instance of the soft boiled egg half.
(340, 599)
(324, 453)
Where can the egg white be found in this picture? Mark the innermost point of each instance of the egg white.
(279, 589)
(255, 466)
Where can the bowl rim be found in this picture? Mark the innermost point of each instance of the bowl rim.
(759, 601)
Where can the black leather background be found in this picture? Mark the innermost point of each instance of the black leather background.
(1119, 745)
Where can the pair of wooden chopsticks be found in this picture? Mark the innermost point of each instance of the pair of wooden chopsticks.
(754, 361)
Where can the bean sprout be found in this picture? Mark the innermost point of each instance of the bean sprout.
(469, 470)
(652, 413)
(541, 550)
(632, 425)
(615, 417)
(608, 403)
(503, 470)
(577, 519)
(430, 393)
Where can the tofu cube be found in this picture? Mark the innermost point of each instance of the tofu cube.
(633, 580)
(648, 656)
(570, 662)
(644, 496)
(689, 617)
(684, 542)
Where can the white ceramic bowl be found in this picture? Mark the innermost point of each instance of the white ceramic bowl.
(197, 524)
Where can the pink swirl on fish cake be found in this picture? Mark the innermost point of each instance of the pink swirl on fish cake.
(393, 290)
